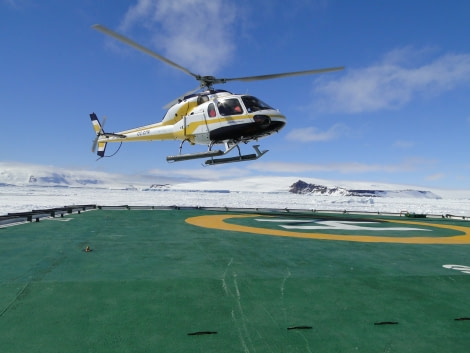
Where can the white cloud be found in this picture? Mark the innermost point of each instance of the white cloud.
(202, 174)
(196, 34)
(312, 134)
(436, 176)
(17, 4)
(341, 167)
(403, 144)
(391, 83)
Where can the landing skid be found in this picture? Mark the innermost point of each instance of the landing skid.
(186, 157)
(216, 153)
(240, 158)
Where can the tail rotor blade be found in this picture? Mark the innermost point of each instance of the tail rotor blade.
(103, 123)
(95, 141)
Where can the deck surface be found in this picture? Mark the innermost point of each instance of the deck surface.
(208, 281)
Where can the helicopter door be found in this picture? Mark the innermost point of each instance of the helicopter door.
(230, 107)
(196, 127)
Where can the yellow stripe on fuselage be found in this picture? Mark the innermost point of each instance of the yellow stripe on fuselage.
(192, 126)
(165, 131)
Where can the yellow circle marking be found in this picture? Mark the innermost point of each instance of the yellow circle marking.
(218, 222)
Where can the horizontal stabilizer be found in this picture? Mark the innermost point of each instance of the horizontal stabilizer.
(111, 134)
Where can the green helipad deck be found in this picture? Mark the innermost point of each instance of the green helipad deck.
(223, 281)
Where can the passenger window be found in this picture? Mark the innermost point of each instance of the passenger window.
(211, 110)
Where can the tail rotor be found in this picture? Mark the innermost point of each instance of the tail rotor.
(98, 127)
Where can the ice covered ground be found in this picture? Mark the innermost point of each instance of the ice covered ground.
(24, 187)
(27, 198)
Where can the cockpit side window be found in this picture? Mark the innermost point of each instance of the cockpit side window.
(211, 110)
(254, 104)
(230, 106)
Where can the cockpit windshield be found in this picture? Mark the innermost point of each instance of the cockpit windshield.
(254, 104)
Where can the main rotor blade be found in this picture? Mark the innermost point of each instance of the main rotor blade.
(285, 74)
(137, 46)
(174, 101)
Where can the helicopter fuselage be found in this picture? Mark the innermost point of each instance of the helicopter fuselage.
(208, 118)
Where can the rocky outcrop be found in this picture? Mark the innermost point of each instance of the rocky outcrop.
(301, 187)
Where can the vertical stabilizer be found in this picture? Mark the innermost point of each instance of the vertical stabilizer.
(99, 131)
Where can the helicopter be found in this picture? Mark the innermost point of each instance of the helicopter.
(204, 116)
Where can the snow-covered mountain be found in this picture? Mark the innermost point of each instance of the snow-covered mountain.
(301, 187)
(36, 175)
(27, 187)
(26, 175)
(17, 174)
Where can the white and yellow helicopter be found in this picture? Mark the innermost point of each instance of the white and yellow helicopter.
(204, 116)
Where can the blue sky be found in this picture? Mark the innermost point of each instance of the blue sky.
(398, 113)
